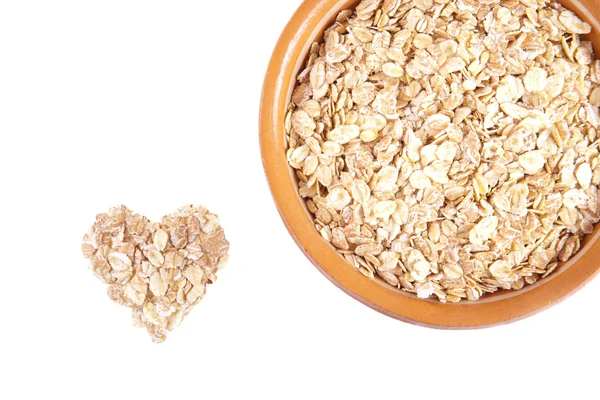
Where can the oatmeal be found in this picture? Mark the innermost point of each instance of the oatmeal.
(159, 270)
(450, 147)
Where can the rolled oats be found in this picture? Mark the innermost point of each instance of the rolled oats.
(159, 270)
(450, 147)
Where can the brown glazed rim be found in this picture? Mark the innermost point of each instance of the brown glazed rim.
(305, 27)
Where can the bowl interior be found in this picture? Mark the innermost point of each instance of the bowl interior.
(306, 27)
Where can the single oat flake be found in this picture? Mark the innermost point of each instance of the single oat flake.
(159, 270)
(450, 147)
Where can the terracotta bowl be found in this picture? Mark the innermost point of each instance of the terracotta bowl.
(305, 27)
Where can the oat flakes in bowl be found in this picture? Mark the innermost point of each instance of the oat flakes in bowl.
(448, 148)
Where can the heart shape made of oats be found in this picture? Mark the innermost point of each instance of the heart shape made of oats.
(159, 270)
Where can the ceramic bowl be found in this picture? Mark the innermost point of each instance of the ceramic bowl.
(305, 27)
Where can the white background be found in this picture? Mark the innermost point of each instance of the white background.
(155, 105)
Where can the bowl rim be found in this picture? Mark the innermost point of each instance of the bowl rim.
(500, 308)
